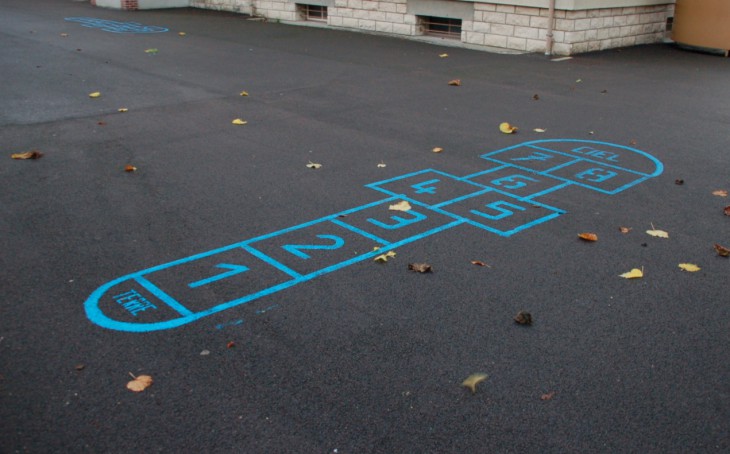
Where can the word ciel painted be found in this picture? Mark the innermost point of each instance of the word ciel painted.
(502, 199)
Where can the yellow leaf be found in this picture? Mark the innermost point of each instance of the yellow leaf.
(384, 257)
(140, 383)
(151, 51)
(27, 155)
(181, 33)
(658, 233)
(720, 193)
(244, 93)
(507, 128)
(238, 121)
(692, 268)
(314, 165)
(634, 274)
(437, 150)
(455, 82)
(96, 94)
(443, 55)
(122, 109)
(588, 236)
(472, 380)
(539, 130)
(403, 205)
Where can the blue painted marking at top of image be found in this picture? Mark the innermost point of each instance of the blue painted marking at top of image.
(113, 26)
(500, 200)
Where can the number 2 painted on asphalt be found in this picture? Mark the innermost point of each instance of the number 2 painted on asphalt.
(296, 249)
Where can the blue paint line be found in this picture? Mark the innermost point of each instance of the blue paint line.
(598, 163)
(467, 196)
(560, 166)
(398, 178)
(484, 172)
(547, 191)
(278, 265)
(162, 296)
(363, 207)
(361, 232)
(116, 26)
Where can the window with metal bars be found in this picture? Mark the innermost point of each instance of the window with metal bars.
(313, 12)
(444, 27)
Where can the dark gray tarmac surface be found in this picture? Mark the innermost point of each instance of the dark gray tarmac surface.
(369, 357)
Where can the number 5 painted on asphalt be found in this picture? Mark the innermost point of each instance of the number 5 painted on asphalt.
(296, 249)
(497, 206)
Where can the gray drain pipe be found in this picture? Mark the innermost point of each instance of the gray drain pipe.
(549, 36)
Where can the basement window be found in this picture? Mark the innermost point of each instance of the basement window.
(443, 27)
(313, 12)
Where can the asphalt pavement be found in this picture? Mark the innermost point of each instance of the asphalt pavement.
(258, 274)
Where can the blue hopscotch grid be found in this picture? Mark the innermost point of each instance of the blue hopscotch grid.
(504, 214)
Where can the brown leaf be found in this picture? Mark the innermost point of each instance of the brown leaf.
(130, 168)
(101, 123)
(523, 318)
(140, 383)
(588, 236)
(625, 229)
(420, 267)
(727, 210)
(230, 344)
(536, 97)
(679, 181)
(632, 142)
(722, 251)
(720, 193)
(80, 367)
(34, 154)
(455, 82)
(437, 149)
(547, 396)
(479, 263)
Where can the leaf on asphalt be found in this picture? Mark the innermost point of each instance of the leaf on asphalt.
(455, 82)
(382, 164)
(130, 168)
(507, 128)
(633, 274)
(679, 182)
(230, 344)
(722, 251)
(64, 35)
(726, 210)
(238, 121)
(122, 109)
(473, 380)
(632, 142)
(382, 258)
(140, 383)
(33, 154)
(588, 236)
(720, 193)
(536, 97)
(658, 233)
(624, 229)
(151, 51)
(539, 129)
(244, 93)
(437, 149)
(690, 267)
(523, 318)
(479, 263)
(403, 205)
(314, 165)
(420, 267)
(444, 55)
(95, 94)
(80, 367)
(101, 123)
(547, 396)
(181, 33)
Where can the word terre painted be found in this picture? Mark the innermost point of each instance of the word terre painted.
(502, 200)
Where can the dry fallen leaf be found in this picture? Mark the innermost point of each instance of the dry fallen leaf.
(403, 205)
(536, 97)
(523, 318)
(64, 35)
(722, 251)
(658, 233)
(230, 344)
(130, 168)
(443, 55)
(726, 210)
(507, 128)
(625, 229)
(382, 164)
(314, 165)
(122, 109)
(588, 236)
(384, 257)
(151, 51)
(437, 150)
(679, 182)
(140, 383)
(539, 129)
(720, 193)
(632, 142)
(633, 274)
(238, 121)
(80, 367)
(472, 380)
(420, 267)
(691, 267)
(244, 93)
(479, 263)
(34, 154)
(455, 82)
(181, 33)
(95, 94)
(547, 396)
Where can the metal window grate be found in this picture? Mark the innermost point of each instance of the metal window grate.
(441, 26)
(313, 12)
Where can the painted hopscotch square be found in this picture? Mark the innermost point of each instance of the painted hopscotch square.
(518, 182)
(502, 213)
(602, 178)
(314, 248)
(396, 226)
(530, 158)
(429, 187)
(130, 301)
(208, 280)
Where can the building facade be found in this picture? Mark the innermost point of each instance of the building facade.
(556, 27)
